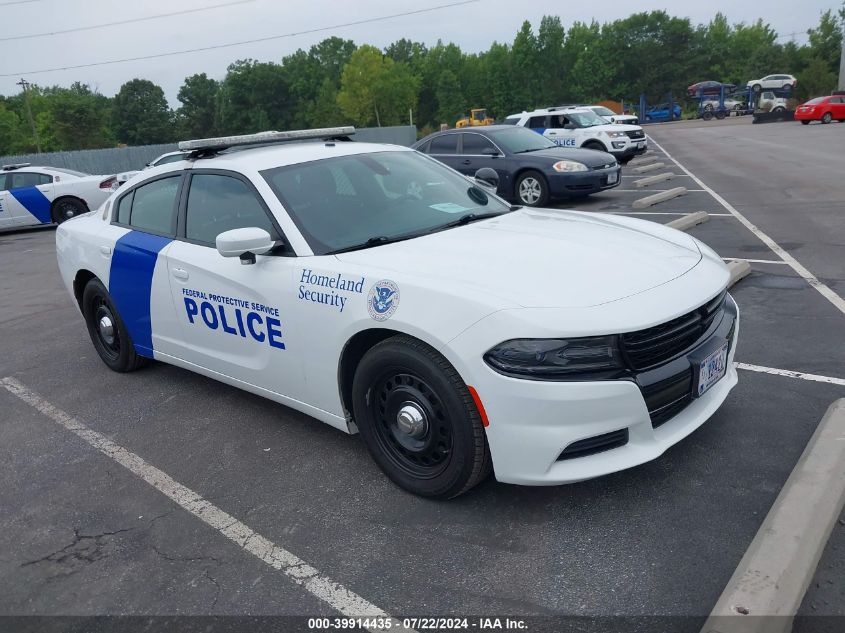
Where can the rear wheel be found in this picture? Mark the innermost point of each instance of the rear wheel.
(827, 118)
(756, 88)
(418, 419)
(805, 123)
(67, 208)
(107, 330)
(532, 190)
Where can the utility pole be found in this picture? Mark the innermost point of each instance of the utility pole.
(842, 60)
(23, 83)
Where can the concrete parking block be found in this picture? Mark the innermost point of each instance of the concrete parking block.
(642, 159)
(659, 197)
(646, 168)
(689, 221)
(739, 269)
(765, 591)
(651, 180)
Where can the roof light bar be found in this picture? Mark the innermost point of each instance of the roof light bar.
(15, 166)
(224, 142)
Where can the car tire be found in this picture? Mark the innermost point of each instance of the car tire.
(827, 117)
(720, 114)
(756, 88)
(107, 331)
(531, 189)
(707, 115)
(805, 123)
(419, 420)
(67, 208)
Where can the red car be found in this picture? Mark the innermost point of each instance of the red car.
(824, 109)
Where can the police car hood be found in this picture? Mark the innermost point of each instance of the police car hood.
(539, 258)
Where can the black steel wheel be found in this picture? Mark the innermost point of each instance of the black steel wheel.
(67, 208)
(107, 330)
(418, 420)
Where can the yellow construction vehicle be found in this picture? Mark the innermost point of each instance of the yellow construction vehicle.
(478, 116)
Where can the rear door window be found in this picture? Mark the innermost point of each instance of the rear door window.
(446, 144)
(154, 206)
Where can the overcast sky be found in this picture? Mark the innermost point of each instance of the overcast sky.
(472, 26)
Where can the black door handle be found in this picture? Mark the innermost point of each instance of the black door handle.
(467, 162)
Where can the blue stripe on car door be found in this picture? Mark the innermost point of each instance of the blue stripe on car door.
(35, 202)
(131, 282)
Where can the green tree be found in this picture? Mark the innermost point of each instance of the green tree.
(826, 39)
(197, 116)
(10, 131)
(254, 97)
(816, 79)
(375, 89)
(141, 115)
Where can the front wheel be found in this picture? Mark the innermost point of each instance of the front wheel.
(756, 88)
(107, 331)
(827, 118)
(67, 208)
(418, 419)
(532, 190)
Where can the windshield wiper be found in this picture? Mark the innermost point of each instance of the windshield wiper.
(465, 219)
(373, 241)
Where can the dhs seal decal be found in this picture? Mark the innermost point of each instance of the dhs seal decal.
(383, 300)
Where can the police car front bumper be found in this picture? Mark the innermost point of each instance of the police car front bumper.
(533, 424)
(626, 149)
(567, 185)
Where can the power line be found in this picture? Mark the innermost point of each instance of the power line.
(108, 24)
(7, 4)
(241, 43)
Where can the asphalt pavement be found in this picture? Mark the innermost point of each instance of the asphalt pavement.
(81, 535)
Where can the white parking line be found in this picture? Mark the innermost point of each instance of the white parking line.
(324, 588)
(712, 215)
(805, 274)
(638, 176)
(650, 190)
(792, 374)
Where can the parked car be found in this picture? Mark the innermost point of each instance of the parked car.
(661, 113)
(773, 82)
(824, 109)
(169, 157)
(31, 195)
(607, 114)
(380, 292)
(581, 127)
(730, 104)
(768, 102)
(708, 88)
(532, 170)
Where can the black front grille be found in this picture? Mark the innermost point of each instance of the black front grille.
(667, 398)
(596, 444)
(658, 344)
(635, 134)
(606, 166)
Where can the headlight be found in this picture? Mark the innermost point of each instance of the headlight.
(569, 165)
(555, 358)
(617, 134)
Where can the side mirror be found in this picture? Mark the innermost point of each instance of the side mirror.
(488, 177)
(613, 119)
(490, 151)
(245, 243)
(570, 126)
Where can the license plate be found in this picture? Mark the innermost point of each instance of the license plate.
(641, 144)
(712, 369)
(612, 178)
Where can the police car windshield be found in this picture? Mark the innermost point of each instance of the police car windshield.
(585, 119)
(602, 111)
(365, 200)
(518, 140)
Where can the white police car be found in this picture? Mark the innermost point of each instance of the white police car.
(44, 195)
(582, 127)
(380, 291)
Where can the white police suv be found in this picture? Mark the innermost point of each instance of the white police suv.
(381, 292)
(44, 195)
(582, 127)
